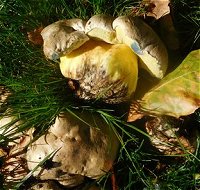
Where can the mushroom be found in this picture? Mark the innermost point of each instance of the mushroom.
(104, 71)
(144, 42)
(104, 61)
(100, 27)
(62, 37)
(82, 149)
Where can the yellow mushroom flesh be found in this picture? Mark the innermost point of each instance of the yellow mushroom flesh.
(103, 54)
(144, 42)
(103, 70)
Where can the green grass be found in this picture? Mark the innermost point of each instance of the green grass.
(187, 23)
(39, 91)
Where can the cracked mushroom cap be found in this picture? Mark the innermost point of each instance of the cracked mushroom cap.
(83, 149)
(144, 42)
(62, 37)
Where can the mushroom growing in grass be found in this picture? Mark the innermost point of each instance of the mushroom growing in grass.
(84, 145)
(103, 57)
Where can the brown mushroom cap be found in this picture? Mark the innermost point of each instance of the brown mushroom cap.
(83, 149)
(144, 42)
(62, 37)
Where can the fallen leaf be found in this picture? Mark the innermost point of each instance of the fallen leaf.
(35, 36)
(3, 153)
(178, 94)
(160, 9)
(142, 9)
(165, 135)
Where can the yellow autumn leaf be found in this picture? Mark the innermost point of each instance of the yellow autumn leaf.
(178, 94)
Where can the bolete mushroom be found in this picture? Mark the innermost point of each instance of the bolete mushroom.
(86, 148)
(100, 27)
(105, 60)
(63, 37)
(144, 42)
(104, 71)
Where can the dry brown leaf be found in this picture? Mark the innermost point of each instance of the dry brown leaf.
(160, 9)
(35, 36)
(165, 135)
(2, 153)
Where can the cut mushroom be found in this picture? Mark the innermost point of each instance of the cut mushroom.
(144, 42)
(104, 71)
(100, 27)
(62, 37)
(102, 56)
(86, 148)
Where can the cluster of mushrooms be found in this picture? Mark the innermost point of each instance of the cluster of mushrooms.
(102, 56)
